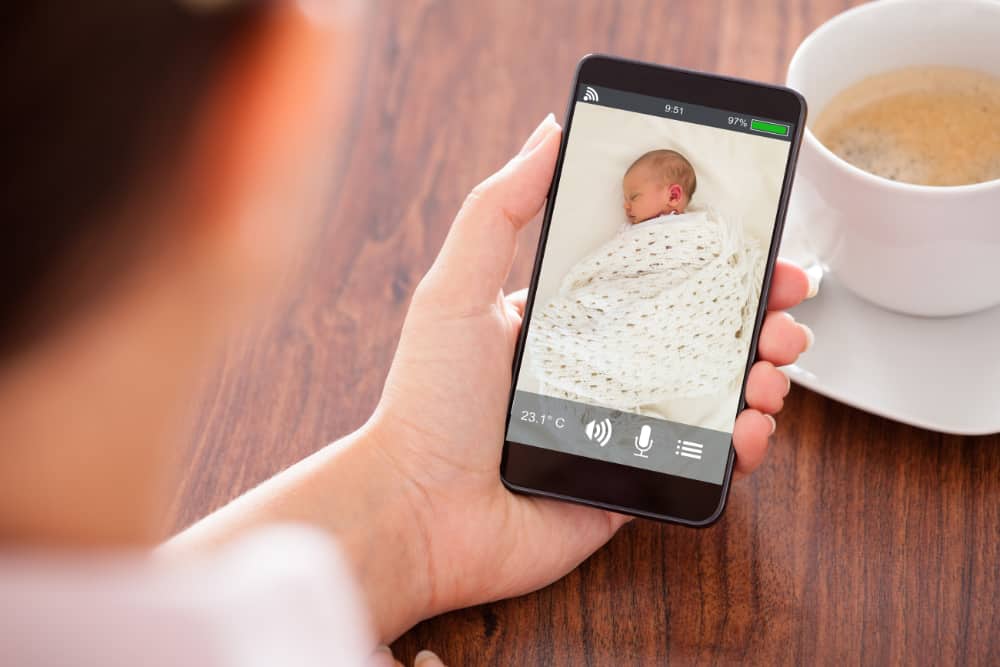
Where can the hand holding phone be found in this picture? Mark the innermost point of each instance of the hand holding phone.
(656, 253)
(441, 418)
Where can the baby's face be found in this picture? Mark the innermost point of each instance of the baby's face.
(648, 196)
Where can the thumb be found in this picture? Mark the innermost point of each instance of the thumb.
(477, 254)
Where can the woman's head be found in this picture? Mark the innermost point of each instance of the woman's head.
(103, 102)
(163, 160)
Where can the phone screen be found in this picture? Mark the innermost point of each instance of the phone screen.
(649, 283)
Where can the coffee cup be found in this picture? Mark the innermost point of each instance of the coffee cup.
(915, 249)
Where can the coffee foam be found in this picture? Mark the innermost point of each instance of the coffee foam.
(921, 125)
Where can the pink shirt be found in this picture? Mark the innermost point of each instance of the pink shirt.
(281, 596)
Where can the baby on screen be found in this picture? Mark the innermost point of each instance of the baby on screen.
(660, 182)
(659, 311)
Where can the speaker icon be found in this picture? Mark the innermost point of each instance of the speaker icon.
(590, 95)
(598, 431)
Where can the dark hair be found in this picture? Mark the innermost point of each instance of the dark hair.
(94, 92)
(672, 165)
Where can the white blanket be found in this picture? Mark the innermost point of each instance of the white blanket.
(664, 310)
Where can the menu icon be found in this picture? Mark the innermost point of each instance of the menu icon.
(691, 450)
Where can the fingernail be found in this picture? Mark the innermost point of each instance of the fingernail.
(382, 657)
(788, 381)
(427, 658)
(810, 336)
(815, 275)
(774, 424)
(538, 134)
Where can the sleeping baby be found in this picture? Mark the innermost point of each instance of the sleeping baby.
(660, 182)
(661, 311)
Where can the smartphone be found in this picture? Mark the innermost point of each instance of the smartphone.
(649, 288)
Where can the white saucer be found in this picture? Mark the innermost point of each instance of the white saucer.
(939, 374)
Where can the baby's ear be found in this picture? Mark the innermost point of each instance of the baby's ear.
(676, 192)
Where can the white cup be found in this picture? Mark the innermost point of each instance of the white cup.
(916, 249)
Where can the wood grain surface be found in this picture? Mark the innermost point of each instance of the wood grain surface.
(859, 541)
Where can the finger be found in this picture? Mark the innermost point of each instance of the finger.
(427, 659)
(782, 339)
(382, 658)
(617, 520)
(750, 439)
(790, 284)
(476, 257)
(518, 300)
(537, 135)
(767, 388)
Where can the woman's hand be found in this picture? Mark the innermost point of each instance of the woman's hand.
(383, 658)
(414, 496)
(440, 424)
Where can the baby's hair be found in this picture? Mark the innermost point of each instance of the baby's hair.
(672, 166)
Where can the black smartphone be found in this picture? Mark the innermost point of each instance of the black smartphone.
(649, 288)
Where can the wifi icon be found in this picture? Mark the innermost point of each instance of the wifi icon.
(590, 95)
(598, 431)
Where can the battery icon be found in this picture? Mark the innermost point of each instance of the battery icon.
(769, 128)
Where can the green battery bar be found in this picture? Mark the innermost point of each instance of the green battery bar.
(770, 128)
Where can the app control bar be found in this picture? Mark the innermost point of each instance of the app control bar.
(619, 437)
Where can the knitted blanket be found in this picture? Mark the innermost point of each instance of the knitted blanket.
(663, 310)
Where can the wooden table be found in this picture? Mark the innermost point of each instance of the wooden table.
(859, 541)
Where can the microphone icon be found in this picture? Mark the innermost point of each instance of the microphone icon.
(643, 441)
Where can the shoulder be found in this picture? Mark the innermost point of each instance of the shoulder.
(284, 595)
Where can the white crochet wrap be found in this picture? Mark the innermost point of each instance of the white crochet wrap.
(662, 311)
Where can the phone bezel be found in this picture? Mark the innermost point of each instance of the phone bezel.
(620, 488)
